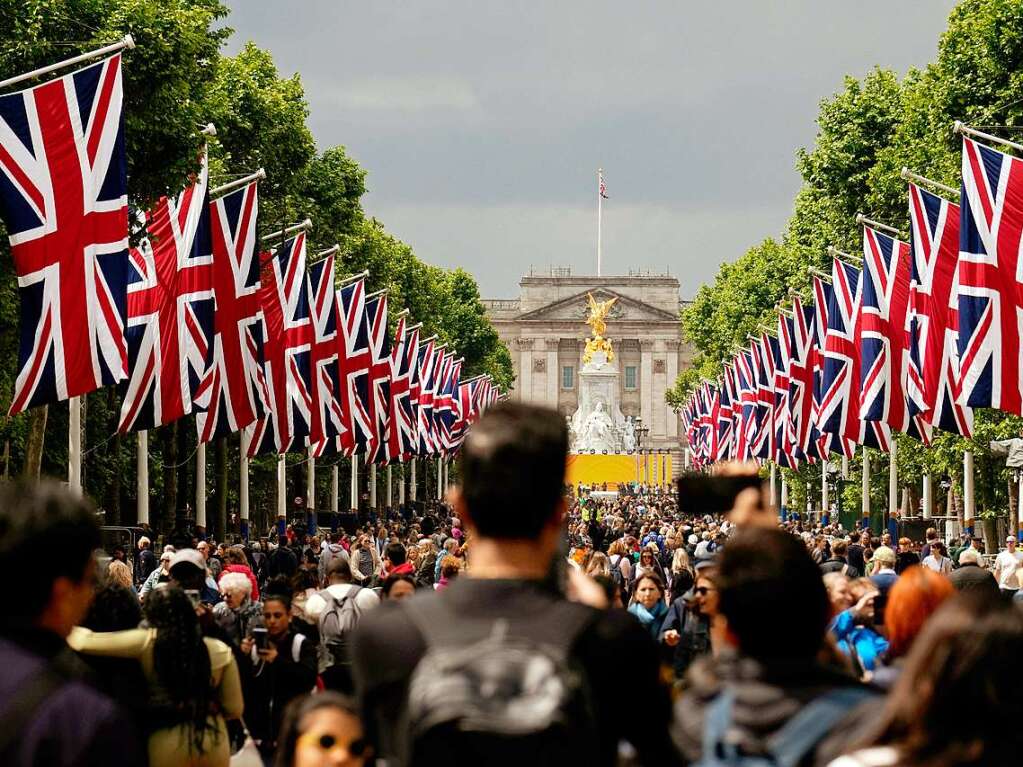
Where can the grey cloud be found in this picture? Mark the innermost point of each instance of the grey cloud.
(481, 124)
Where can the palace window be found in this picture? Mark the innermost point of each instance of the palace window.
(567, 377)
(630, 376)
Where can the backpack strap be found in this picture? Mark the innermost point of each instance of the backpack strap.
(806, 729)
(717, 719)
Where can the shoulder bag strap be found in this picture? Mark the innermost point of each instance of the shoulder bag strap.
(816, 719)
(716, 721)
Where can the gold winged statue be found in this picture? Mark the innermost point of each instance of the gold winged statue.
(598, 324)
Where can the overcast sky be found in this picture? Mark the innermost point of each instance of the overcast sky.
(482, 124)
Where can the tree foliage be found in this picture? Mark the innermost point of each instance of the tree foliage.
(176, 80)
(867, 132)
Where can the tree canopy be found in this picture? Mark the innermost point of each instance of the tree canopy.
(867, 132)
(176, 80)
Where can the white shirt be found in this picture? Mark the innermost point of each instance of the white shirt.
(1006, 565)
(938, 563)
(364, 600)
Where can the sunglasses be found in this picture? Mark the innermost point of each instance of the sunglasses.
(702, 591)
(327, 742)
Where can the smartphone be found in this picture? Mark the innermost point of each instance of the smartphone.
(260, 635)
(193, 596)
(703, 494)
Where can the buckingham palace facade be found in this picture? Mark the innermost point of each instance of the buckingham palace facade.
(545, 332)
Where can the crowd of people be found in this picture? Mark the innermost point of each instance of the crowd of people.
(519, 622)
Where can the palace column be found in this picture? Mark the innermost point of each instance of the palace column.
(646, 383)
(525, 381)
(551, 400)
(671, 346)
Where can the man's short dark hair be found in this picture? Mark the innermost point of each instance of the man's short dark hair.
(396, 553)
(513, 467)
(339, 569)
(43, 517)
(772, 595)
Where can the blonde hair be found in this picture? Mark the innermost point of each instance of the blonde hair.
(599, 564)
(118, 572)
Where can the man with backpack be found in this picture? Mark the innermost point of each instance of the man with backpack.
(499, 668)
(337, 611)
(767, 699)
(330, 551)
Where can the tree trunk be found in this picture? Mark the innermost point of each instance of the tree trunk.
(34, 442)
(220, 469)
(169, 450)
(114, 491)
(185, 497)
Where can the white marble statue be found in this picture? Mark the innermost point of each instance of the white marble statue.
(629, 434)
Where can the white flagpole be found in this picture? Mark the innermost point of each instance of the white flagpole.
(335, 481)
(865, 485)
(893, 482)
(353, 498)
(125, 42)
(74, 445)
(600, 213)
(282, 504)
(142, 476)
(372, 486)
(968, 499)
(401, 484)
(412, 480)
(310, 480)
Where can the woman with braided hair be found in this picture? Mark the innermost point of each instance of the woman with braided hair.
(193, 681)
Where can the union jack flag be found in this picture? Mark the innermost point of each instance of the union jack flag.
(818, 446)
(64, 202)
(288, 331)
(883, 332)
(746, 386)
(440, 401)
(327, 416)
(430, 357)
(934, 323)
(724, 417)
(170, 310)
(801, 377)
(449, 406)
(990, 273)
(763, 365)
(400, 425)
(355, 358)
(784, 449)
(841, 381)
(379, 401)
(231, 395)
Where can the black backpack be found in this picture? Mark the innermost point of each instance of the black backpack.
(487, 693)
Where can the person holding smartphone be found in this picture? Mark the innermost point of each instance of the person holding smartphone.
(278, 665)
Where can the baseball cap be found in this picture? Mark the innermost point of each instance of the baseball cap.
(188, 556)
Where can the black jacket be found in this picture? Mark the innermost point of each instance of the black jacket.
(269, 687)
(74, 726)
(388, 646)
(970, 577)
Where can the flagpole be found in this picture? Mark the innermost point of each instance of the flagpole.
(310, 480)
(74, 452)
(968, 499)
(865, 486)
(230, 186)
(125, 42)
(893, 482)
(142, 476)
(600, 213)
(335, 481)
(200, 487)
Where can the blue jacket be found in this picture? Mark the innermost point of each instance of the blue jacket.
(869, 645)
